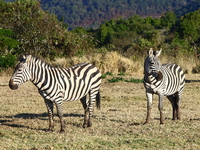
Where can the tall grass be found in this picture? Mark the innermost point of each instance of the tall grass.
(116, 63)
(108, 62)
(188, 63)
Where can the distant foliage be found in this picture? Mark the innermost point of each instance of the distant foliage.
(90, 13)
(133, 35)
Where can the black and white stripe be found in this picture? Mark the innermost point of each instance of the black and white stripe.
(56, 85)
(164, 80)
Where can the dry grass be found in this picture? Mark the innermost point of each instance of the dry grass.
(118, 125)
(108, 62)
(115, 63)
(187, 63)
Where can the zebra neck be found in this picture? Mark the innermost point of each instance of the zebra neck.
(152, 79)
(40, 75)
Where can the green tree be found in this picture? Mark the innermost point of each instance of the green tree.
(190, 26)
(7, 42)
(168, 19)
(8, 46)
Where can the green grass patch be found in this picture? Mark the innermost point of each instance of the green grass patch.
(106, 74)
(115, 79)
(118, 79)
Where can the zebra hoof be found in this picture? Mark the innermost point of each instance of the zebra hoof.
(62, 131)
(145, 122)
(87, 125)
(49, 130)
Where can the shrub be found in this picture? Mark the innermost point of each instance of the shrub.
(7, 61)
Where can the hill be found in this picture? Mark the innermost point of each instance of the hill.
(91, 13)
(195, 5)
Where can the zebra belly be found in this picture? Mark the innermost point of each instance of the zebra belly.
(77, 90)
(161, 90)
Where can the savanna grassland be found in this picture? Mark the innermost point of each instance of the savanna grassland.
(118, 125)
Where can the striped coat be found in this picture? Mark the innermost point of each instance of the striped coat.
(164, 80)
(56, 85)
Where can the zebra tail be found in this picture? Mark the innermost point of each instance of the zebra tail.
(98, 98)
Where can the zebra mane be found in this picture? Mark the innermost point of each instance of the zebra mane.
(31, 58)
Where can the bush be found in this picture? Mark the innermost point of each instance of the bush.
(7, 61)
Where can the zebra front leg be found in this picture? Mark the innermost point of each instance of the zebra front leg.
(84, 103)
(60, 115)
(49, 105)
(160, 107)
(149, 103)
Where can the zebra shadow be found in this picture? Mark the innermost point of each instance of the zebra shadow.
(42, 116)
(190, 81)
(10, 120)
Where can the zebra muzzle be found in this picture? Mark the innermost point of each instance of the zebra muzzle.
(12, 85)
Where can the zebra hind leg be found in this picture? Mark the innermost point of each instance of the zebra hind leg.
(89, 109)
(49, 105)
(160, 107)
(177, 106)
(60, 115)
(174, 99)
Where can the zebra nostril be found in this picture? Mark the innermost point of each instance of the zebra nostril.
(12, 85)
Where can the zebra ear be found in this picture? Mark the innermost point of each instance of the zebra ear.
(151, 52)
(21, 58)
(158, 52)
(28, 58)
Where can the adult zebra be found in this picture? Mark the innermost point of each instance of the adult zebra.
(164, 80)
(56, 85)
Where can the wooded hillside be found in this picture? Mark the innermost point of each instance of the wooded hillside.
(91, 13)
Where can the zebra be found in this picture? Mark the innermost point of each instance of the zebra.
(56, 85)
(164, 80)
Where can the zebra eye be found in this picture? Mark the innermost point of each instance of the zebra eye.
(20, 69)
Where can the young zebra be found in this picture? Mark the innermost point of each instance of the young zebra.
(164, 80)
(56, 85)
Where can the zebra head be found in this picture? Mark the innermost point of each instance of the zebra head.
(21, 73)
(152, 64)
